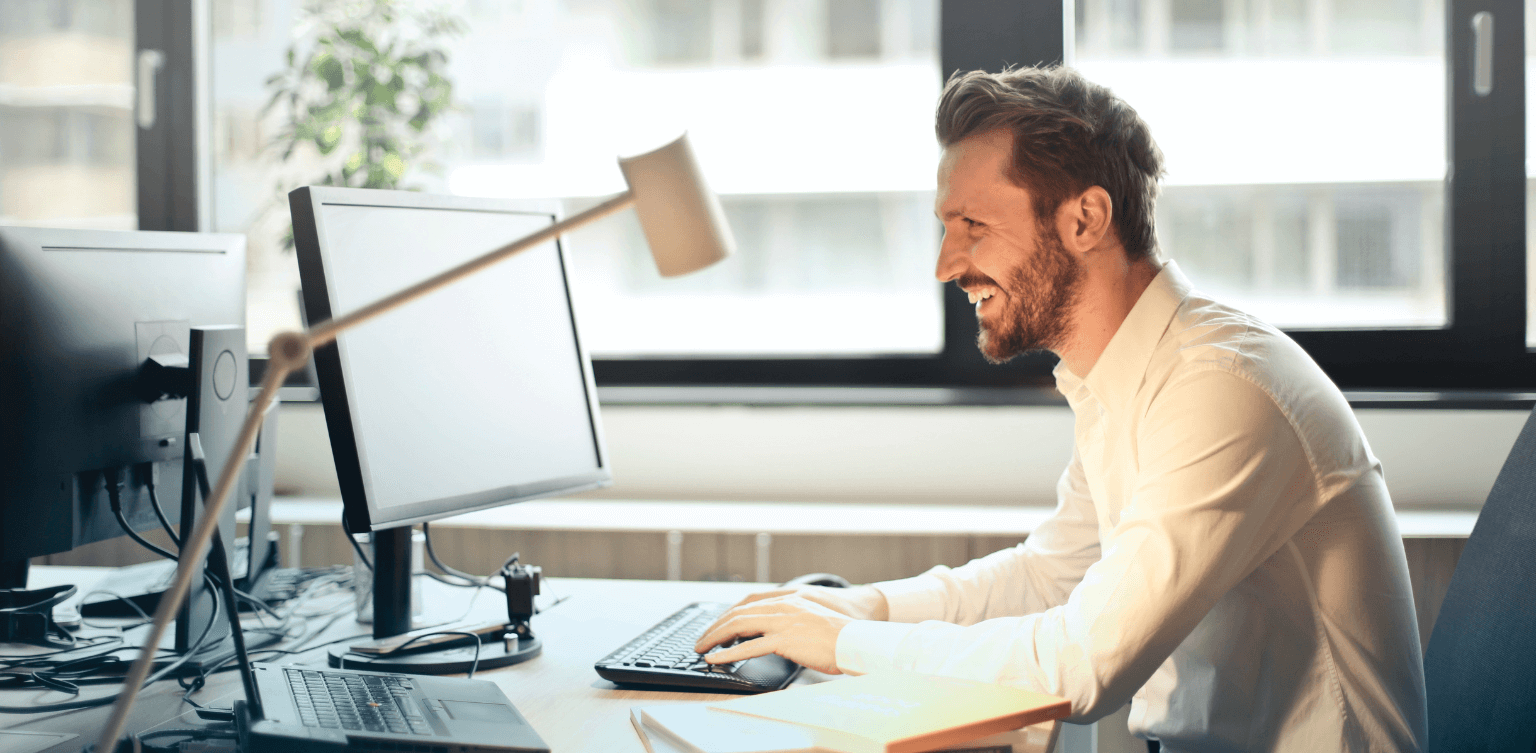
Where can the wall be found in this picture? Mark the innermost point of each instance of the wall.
(970, 455)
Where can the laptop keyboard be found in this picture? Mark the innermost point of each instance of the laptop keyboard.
(664, 655)
(370, 703)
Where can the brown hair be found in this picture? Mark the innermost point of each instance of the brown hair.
(1069, 134)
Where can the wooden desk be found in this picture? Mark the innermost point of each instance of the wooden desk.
(573, 709)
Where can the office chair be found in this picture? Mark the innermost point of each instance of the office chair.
(1480, 668)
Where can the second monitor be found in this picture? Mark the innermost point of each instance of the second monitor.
(476, 396)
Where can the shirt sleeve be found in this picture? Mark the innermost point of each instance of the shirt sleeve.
(1031, 577)
(1222, 482)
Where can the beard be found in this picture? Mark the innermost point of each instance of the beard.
(1040, 296)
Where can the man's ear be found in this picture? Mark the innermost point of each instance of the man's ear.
(1086, 220)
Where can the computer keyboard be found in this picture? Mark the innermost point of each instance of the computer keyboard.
(372, 703)
(664, 656)
(143, 584)
(282, 584)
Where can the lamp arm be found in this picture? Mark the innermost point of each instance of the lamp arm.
(194, 548)
(288, 352)
(326, 331)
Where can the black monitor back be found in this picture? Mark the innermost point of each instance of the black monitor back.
(80, 311)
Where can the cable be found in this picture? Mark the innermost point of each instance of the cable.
(154, 502)
(191, 734)
(144, 618)
(292, 616)
(199, 680)
(361, 557)
(448, 580)
(114, 483)
(69, 687)
(22, 660)
(426, 530)
(473, 665)
(105, 700)
(472, 581)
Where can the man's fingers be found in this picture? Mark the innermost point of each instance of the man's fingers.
(744, 650)
(735, 624)
(740, 610)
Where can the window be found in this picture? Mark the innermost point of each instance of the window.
(816, 132)
(1331, 168)
(853, 28)
(1339, 132)
(681, 31)
(499, 131)
(66, 114)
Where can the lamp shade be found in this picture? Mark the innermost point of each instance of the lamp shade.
(681, 217)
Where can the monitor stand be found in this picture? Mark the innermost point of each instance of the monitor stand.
(392, 617)
(143, 583)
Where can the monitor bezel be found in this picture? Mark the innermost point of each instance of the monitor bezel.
(360, 512)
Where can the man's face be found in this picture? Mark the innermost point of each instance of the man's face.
(1022, 279)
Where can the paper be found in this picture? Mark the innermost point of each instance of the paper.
(17, 741)
(902, 712)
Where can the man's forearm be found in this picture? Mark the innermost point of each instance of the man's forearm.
(868, 604)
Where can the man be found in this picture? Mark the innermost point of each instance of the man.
(1223, 555)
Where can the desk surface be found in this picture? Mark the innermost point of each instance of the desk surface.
(558, 692)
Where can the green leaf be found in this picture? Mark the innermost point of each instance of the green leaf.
(330, 70)
(381, 94)
(356, 38)
(393, 165)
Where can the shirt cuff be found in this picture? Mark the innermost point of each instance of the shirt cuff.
(914, 599)
(865, 646)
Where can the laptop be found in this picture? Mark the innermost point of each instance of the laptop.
(297, 708)
(305, 707)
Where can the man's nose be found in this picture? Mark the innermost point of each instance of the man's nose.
(953, 260)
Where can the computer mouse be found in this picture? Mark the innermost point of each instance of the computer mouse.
(818, 579)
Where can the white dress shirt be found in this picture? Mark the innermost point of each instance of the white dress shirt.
(1223, 555)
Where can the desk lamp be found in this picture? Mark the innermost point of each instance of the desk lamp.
(684, 227)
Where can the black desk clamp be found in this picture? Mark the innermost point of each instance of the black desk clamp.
(522, 584)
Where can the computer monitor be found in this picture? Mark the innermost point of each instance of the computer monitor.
(80, 313)
(476, 396)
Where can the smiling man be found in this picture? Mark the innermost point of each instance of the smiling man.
(1223, 555)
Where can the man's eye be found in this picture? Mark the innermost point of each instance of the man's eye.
(970, 222)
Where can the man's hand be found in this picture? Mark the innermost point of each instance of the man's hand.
(801, 624)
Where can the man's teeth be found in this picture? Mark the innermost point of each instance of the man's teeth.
(979, 297)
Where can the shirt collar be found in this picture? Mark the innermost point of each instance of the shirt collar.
(1117, 374)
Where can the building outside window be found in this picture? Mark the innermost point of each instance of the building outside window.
(1310, 150)
(66, 114)
(1305, 145)
(813, 121)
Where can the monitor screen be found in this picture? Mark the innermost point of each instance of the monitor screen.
(477, 395)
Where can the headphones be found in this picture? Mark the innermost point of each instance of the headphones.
(27, 616)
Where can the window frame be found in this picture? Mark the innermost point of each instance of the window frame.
(172, 155)
(1482, 348)
(973, 34)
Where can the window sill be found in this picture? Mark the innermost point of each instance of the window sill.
(788, 518)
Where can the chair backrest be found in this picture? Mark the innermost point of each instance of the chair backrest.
(1480, 668)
